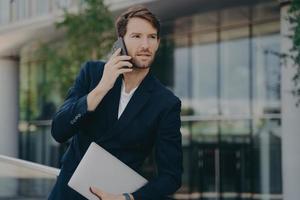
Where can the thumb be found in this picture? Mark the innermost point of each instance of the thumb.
(96, 191)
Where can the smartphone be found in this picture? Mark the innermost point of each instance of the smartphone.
(120, 44)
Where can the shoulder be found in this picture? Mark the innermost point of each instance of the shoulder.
(91, 71)
(93, 67)
(165, 95)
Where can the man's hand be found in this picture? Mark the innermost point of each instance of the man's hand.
(105, 196)
(112, 69)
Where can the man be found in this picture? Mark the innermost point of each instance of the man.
(98, 109)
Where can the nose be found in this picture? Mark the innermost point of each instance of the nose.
(145, 43)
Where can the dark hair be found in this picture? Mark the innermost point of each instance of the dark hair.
(138, 12)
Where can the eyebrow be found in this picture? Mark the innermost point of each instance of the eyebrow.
(152, 34)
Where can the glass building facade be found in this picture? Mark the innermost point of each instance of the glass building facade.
(223, 64)
(20, 10)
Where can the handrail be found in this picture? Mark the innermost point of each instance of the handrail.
(193, 118)
(31, 165)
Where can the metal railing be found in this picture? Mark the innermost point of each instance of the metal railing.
(49, 172)
(20, 179)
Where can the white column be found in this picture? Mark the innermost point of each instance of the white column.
(290, 117)
(265, 159)
(9, 81)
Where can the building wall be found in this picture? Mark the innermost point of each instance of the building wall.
(227, 73)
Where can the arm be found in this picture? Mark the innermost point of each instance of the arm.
(168, 155)
(80, 102)
(74, 109)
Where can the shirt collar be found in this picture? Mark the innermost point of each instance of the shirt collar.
(123, 89)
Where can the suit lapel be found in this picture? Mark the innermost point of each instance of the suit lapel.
(114, 102)
(134, 106)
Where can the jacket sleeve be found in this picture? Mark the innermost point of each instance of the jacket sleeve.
(70, 115)
(168, 156)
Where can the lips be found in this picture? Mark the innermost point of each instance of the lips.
(143, 54)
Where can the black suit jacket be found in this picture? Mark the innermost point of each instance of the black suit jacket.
(150, 120)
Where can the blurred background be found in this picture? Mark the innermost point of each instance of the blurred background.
(222, 58)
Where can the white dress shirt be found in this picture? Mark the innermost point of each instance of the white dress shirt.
(124, 98)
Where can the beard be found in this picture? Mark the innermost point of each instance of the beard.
(138, 63)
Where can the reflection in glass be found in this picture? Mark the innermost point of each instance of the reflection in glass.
(205, 79)
(181, 72)
(4, 14)
(235, 77)
(235, 150)
(235, 127)
(266, 69)
(267, 148)
(235, 167)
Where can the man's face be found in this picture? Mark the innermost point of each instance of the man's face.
(141, 41)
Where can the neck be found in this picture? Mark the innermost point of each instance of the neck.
(134, 78)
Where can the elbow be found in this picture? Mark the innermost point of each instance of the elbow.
(174, 183)
(56, 132)
(177, 183)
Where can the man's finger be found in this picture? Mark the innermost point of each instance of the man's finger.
(123, 64)
(96, 192)
(124, 70)
(117, 52)
(119, 59)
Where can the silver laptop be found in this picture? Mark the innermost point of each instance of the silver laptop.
(101, 169)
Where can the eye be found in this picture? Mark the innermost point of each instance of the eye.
(153, 36)
(136, 36)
